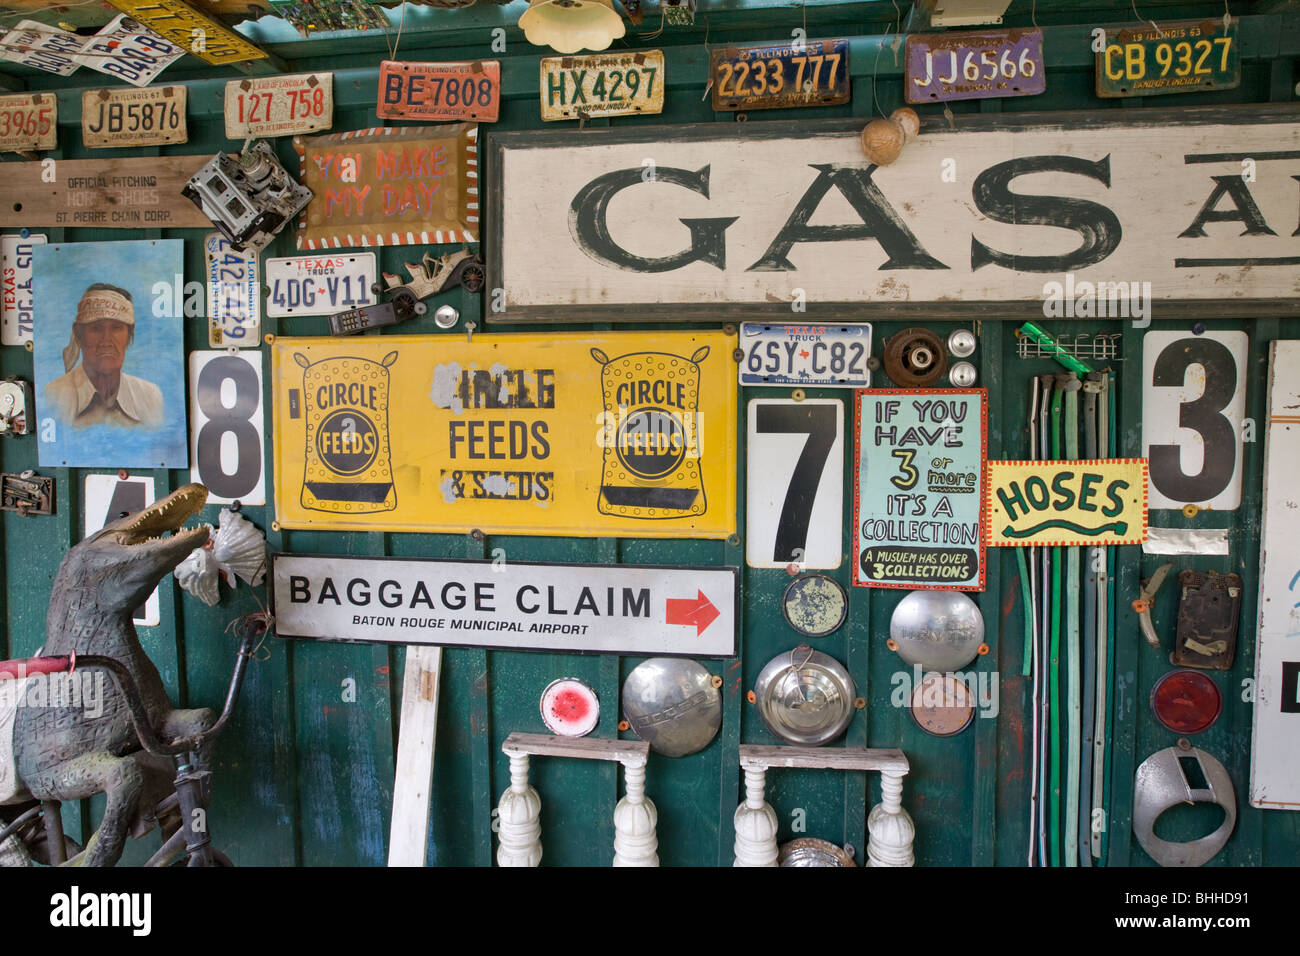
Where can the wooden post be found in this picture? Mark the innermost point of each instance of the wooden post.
(635, 818)
(519, 814)
(891, 829)
(755, 823)
(408, 841)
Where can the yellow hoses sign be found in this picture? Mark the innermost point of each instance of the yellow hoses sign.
(619, 434)
(1065, 502)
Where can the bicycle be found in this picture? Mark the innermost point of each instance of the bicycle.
(182, 815)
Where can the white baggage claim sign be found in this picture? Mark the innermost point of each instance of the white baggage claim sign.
(609, 609)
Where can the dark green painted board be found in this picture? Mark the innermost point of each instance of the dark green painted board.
(305, 777)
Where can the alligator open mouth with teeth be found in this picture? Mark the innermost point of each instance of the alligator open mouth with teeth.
(60, 751)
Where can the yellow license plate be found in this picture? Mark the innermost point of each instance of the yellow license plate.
(614, 434)
(615, 84)
(190, 30)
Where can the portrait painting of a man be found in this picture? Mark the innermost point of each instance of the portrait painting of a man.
(96, 390)
(109, 357)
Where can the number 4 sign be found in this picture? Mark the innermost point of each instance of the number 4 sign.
(226, 415)
(794, 496)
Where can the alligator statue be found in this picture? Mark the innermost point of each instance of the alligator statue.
(65, 752)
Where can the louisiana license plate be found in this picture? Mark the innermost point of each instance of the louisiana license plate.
(319, 285)
(234, 295)
(827, 356)
(763, 78)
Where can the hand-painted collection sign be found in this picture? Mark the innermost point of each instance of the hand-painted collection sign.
(153, 116)
(279, 105)
(16, 273)
(741, 215)
(558, 433)
(29, 121)
(1065, 502)
(1183, 57)
(971, 66)
(607, 84)
(390, 186)
(436, 92)
(917, 488)
(772, 77)
(605, 609)
(127, 192)
(180, 23)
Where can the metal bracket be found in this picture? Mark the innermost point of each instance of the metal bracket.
(1161, 784)
(27, 493)
(1142, 605)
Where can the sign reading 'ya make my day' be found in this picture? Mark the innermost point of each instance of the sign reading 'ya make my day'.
(610, 609)
(916, 489)
(558, 433)
(1060, 503)
(750, 214)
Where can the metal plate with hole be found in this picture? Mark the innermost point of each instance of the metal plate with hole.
(939, 630)
(1186, 702)
(815, 605)
(570, 708)
(810, 851)
(805, 697)
(915, 358)
(672, 704)
(942, 705)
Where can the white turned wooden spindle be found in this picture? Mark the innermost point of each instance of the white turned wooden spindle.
(890, 827)
(519, 815)
(635, 818)
(755, 823)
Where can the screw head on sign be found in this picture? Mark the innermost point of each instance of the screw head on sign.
(738, 355)
(1198, 328)
(1190, 510)
(798, 395)
(859, 702)
(983, 649)
(751, 698)
(715, 680)
(792, 569)
(121, 474)
(624, 726)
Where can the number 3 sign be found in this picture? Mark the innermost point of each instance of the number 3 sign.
(226, 439)
(1193, 400)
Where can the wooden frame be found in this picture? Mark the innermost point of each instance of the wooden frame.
(710, 305)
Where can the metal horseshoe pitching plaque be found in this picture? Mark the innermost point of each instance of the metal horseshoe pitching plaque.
(565, 433)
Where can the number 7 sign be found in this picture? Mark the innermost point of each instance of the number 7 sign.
(794, 496)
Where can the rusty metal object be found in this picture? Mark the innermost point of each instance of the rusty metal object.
(1142, 605)
(432, 276)
(915, 358)
(27, 493)
(1209, 612)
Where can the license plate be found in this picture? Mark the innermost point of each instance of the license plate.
(28, 121)
(126, 50)
(614, 84)
(152, 116)
(279, 105)
(1183, 57)
(32, 43)
(436, 92)
(234, 295)
(815, 73)
(829, 356)
(177, 21)
(319, 285)
(974, 66)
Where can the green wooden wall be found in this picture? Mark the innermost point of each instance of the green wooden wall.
(304, 778)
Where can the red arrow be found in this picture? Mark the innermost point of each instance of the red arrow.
(698, 611)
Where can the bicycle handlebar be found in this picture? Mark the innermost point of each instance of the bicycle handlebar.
(254, 627)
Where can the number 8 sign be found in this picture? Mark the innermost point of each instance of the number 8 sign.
(227, 433)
